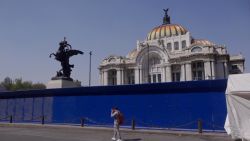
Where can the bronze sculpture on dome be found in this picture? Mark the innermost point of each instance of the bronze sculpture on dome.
(166, 18)
(62, 55)
(166, 11)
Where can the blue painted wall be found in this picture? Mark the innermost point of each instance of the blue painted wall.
(165, 105)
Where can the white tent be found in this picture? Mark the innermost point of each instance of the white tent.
(238, 106)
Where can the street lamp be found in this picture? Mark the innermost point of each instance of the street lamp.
(90, 54)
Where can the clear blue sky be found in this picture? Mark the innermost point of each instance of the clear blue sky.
(31, 29)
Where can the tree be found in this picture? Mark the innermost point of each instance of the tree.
(7, 83)
(38, 86)
(19, 84)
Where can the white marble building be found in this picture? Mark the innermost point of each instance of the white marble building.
(170, 54)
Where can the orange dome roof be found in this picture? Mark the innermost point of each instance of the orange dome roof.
(202, 42)
(166, 30)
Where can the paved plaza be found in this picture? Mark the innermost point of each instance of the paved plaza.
(22, 132)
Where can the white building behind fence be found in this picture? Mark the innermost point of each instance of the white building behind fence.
(170, 54)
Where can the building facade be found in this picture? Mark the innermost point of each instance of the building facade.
(170, 54)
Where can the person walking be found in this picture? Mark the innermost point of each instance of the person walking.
(115, 113)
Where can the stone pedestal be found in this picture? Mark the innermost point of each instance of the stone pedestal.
(60, 83)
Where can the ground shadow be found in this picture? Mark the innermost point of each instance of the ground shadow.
(137, 139)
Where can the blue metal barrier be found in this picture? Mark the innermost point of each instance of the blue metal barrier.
(176, 105)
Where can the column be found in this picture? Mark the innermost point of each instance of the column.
(122, 76)
(168, 73)
(101, 80)
(163, 74)
(207, 68)
(140, 75)
(118, 76)
(188, 72)
(183, 73)
(105, 77)
(213, 70)
(137, 75)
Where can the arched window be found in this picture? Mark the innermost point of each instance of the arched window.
(176, 45)
(151, 68)
(196, 49)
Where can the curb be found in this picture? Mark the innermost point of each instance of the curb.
(126, 130)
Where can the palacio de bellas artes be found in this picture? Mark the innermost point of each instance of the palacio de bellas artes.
(170, 54)
(170, 86)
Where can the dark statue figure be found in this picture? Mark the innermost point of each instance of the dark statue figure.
(166, 12)
(166, 18)
(63, 54)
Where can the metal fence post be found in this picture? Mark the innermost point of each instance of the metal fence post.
(42, 120)
(133, 124)
(200, 126)
(82, 122)
(11, 119)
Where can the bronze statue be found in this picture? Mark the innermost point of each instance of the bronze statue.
(166, 12)
(166, 18)
(62, 55)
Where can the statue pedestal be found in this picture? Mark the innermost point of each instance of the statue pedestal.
(60, 83)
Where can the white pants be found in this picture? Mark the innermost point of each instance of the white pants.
(117, 134)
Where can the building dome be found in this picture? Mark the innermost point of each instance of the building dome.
(166, 30)
(132, 54)
(202, 42)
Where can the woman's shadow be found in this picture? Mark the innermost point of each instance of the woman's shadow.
(137, 139)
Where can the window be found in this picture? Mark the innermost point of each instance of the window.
(176, 45)
(169, 47)
(159, 78)
(183, 44)
(151, 69)
(234, 67)
(154, 61)
(176, 73)
(154, 78)
(112, 77)
(196, 49)
(130, 76)
(198, 70)
(149, 79)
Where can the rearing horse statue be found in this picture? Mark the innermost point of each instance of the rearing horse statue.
(62, 55)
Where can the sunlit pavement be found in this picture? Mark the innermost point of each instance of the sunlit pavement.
(33, 132)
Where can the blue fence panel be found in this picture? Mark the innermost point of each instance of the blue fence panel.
(28, 109)
(37, 109)
(11, 107)
(152, 110)
(19, 107)
(3, 109)
(47, 109)
(164, 105)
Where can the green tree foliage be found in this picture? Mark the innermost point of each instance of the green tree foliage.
(7, 83)
(19, 84)
(38, 86)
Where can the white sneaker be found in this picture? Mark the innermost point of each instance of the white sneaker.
(113, 139)
(119, 140)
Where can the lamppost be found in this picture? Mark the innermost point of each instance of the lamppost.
(90, 54)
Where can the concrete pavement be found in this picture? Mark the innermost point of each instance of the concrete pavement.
(36, 132)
